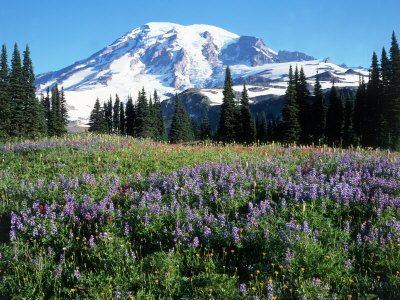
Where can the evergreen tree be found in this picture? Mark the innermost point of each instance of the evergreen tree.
(16, 95)
(42, 124)
(5, 125)
(30, 103)
(143, 128)
(290, 127)
(116, 115)
(130, 117)
(305, 114)
(373, 105)
(334, 117)
(318, 112)
(384, 128)
(246, 121)
(270, 131)
(348, 121)
(108, 113)
(263, 129)
(226, 129)
(359, 111)
(47, 107)
(63, 112)
(394, 94)
(122, 118)
(196, 128)
(159, 122)
(205, 130)
(55, 121)
(97, 121)
(181, 127)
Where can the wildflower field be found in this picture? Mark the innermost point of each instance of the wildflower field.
(108, 217)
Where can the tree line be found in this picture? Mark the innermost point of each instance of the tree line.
(369, 117)
(142, 119)
(22, 114)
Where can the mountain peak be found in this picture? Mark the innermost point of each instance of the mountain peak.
(167, 57)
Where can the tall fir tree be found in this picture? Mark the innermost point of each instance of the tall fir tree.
(289, 125)
(5, 124)
(246, 120)
(384, 128)
(130, 117)
(270, 131)
(108, 113)
(348, 121)
(30, 102)
(226, 129)
(98, 122)
(63, 112)
(16, 95)
(181, 126)
(116, 115)
(143, 128)
(305, 114)
(205, 130)
(359, 111)
(334, 117)
(122, 118)
(55, 122)
(263, 129)
(47, 107)
(373, 105)
(159, 123)
(394, 94)
(318, 113)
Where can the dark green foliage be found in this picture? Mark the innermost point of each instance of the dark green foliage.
(334, 117)
(348, 121)
(394, 95)
(384, 128)
(246, 124)
(4, 96)
(122, 118)
(159, 123)
(373, 105)
(305, 113)
(47, 106)
(55, 121)
(359, 110)
(108, 114)
(181, 127)
(205, 130)
(16, 96)
(116, 116)
(270, 131)
(196, 129)
(289, 125)
(143, 120)
(318, 113)
(263, 129)
(226, 129)
(63, 112)
(130, 117)
(97, 121)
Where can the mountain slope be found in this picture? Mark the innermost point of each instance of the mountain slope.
(170, 58)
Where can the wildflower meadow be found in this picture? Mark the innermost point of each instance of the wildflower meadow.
(111, 217)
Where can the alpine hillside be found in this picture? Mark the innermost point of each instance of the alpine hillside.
(171, 58)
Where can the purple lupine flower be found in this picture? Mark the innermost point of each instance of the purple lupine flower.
(91, 241)
(242, 288)
(195, 242)
(207, 231)
(77, 275)
(126, 230)
(235, 234)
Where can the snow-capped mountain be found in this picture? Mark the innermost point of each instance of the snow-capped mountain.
(170, 58)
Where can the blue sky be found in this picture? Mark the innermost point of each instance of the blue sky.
(62, 32)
